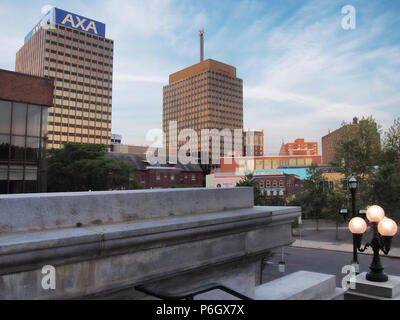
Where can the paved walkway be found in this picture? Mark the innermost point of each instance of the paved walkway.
(337, 246)
(326, 238)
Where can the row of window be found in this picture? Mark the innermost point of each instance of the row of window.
(274, 184)
(81, 57)
(92, 53)
(75, 65)
(82, 135)
(216, 76)
(76, 74)
(92, 94)
(172, 176)
(81, 109)
(83, 34)
(65, 37)
(51, 123)
(80, 66)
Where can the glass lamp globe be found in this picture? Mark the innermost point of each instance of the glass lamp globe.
(357, 225)
(387, 227)
(375, 213)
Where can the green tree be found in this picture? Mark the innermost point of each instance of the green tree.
(357, 153)
(336, 200)
(83, 167)
(249, 181)
(385, 183)
(316, 196)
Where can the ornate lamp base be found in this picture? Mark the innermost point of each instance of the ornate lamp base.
(377, 276)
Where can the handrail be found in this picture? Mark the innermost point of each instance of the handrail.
(189, 294)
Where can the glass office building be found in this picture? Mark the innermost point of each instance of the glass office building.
(24, 105)
(22, 145)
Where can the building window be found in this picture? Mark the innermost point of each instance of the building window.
(193, 177)
(158, 177)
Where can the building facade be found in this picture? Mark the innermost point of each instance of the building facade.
(24, 104)
(74, 51)
(253, 143)
(299, 148)
(249, 164)
(207, 95)
(276, 183)
(162, 175)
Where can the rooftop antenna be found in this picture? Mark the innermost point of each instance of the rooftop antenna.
(201, 45)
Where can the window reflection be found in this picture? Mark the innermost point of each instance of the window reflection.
(5, 116)
(22, 153)
(17, 148)
(34, 114)
(32, 149)
(19, 119)
(4, 148)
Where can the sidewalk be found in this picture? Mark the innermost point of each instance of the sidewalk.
(325, 239)
(343, 247)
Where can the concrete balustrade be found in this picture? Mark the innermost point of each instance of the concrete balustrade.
(103, 244)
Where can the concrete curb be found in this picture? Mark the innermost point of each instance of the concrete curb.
(340, 247)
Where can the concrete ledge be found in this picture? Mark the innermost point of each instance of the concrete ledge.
(301, 285)
(44, 211)
(29, 250)
(179, 238)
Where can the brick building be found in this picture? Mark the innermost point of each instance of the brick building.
(280, 183)
(299, 148)
(347, 131)
(162, 175)
(24, 104)
(254, 139)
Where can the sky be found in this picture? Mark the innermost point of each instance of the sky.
(303, 73)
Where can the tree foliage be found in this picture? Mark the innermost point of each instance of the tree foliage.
(357, 153)
(385, 182)
(83, 167)
(249, 181)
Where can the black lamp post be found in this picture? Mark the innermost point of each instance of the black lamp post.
(353, 188)
(383, 231)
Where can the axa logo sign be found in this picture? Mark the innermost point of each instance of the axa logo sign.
(78, 22)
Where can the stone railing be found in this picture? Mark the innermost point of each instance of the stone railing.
(103, 244)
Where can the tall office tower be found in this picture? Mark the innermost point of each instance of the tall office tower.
(74, 51)
(207, 95)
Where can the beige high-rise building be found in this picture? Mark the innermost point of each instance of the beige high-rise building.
(207, 95)
(74, 51)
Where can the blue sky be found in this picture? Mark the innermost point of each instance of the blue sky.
(303, 73)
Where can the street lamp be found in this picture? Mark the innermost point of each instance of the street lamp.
(383, 231)
(353, 188)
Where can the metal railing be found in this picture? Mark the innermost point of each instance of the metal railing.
(189, 294)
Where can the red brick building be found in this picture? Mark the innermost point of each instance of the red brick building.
(164, 175)
(299, 148)
(280, 184)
